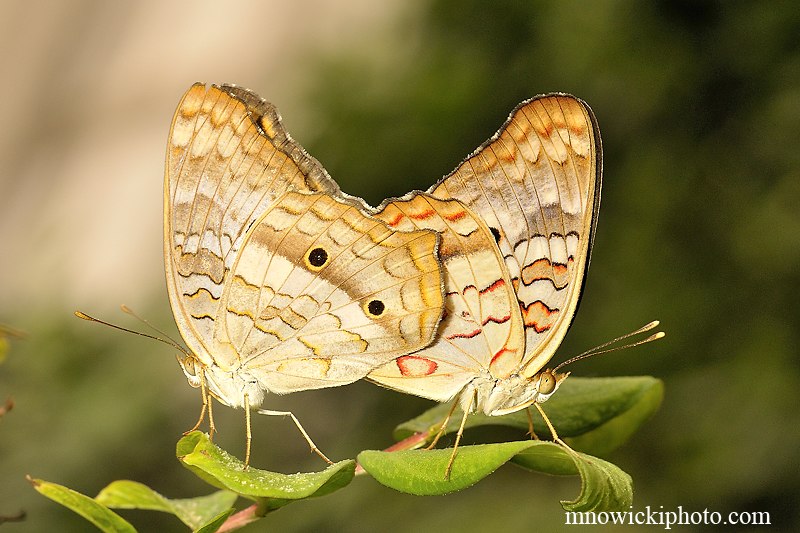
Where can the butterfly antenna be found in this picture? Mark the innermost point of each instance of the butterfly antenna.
(128, 310)
(167, 341)
(603, 348)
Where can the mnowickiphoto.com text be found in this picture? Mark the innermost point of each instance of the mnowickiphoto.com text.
(667, 519)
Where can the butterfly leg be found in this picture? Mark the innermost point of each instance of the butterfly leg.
(442, 428)
(556, 438)
(204, 396)
(531, 432)
(458, 436)
(211, 427)
(248, 432)
(300, 427)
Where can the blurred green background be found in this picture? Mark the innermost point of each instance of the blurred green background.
(699, 108)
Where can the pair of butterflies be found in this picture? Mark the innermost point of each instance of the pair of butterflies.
(280, 282)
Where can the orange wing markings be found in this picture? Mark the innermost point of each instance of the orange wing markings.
(423, 212)
(478, 331)
(503, 353)
(422, 215)
(538, 316)
(454, 216)
(544, 269)
(498, 284)
(415, 366)
(496, 320)
(414, 215)
(469, 335)
(396, 220)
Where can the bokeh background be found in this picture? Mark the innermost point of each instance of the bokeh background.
(699, 108)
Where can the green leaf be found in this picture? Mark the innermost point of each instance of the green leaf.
(96, 513)
(604, 487)
(595, 415)
(547, 458)
(194, 512)
(422, 472)
(615, 431)
(269, 489)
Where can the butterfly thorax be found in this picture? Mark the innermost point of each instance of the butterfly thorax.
(235, 388)
(497, 397)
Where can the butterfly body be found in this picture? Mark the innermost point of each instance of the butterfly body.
(496, 397)
(234, 387)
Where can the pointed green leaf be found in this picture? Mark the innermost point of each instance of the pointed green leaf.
(194, 512)
(126, 494)
(422, 472)
(604, 487)
(222, 470)
(614, 408)
(99, 515)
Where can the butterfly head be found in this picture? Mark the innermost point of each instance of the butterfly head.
(233, 387)
(191, 367)
(518, 392)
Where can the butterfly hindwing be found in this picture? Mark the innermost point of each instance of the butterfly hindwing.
(481, 327)
(321, 293)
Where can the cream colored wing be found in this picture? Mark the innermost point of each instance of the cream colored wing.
(536, 183)
(320, 294)
(228, 159)
(481, 329)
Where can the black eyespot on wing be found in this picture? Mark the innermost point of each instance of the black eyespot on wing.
(317, 257)
(496, 234)
(376, 307)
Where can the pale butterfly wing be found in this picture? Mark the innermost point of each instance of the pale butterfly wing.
(256, 313)
(536, 184)
(481, 323)
(515, 247)
(228, 159)
(321, 293)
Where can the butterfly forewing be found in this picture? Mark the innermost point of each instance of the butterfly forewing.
(228, 158)
(536, 183)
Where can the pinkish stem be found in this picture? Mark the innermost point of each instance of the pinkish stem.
(241, 519)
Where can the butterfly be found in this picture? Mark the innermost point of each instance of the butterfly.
(278, 281)
(517, 220)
